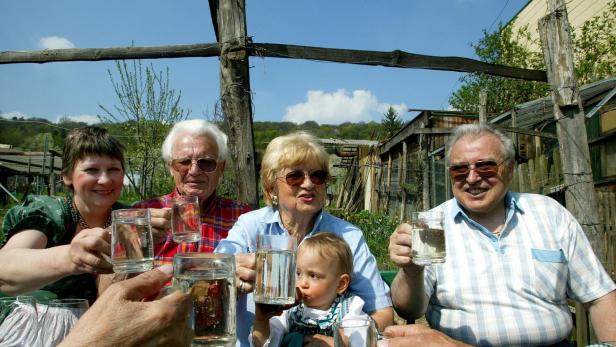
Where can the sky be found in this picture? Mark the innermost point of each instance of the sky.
(282, 89)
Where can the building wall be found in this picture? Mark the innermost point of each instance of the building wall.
(578, 12)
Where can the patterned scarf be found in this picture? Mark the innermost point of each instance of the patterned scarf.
(322, 325)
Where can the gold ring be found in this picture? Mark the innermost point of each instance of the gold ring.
(242, 287)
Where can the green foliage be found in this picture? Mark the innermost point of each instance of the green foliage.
(391, 122)
(376, 228)
(500, 47)
(594, 48)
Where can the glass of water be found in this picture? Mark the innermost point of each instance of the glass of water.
(186, 219)
(19, 321)
(59, 318)
(428, 237)
(131, 241)
(210, 279)
(360, 332)
(275, 281)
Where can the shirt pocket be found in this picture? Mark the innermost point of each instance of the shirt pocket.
(551, 273)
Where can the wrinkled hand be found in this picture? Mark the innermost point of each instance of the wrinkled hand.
(89, 251)
(245, 272)
(400, 246)
(160, 220)
(120, 317)
(416, 335)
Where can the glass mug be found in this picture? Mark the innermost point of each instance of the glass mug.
(59, 318)
(132, 247)
(186, 219)
(210, 279)
(355, 332)
(428, 237)
(19, 321)
(275, 281)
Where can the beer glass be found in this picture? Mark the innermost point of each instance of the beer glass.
(210, 279)
(360, 332)
(18, 321)
(131, 241)
(186, 219)
(59, 318)
(428, 237)
(275, 281)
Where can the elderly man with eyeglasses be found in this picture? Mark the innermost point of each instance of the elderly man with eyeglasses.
(195, 152)
(512, 259)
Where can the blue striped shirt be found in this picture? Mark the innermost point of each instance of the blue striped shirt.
(512, 289)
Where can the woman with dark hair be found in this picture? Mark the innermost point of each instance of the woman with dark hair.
(59, 244)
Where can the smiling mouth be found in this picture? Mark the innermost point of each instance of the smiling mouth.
(476, 191)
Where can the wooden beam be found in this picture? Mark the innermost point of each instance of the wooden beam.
(115, 53)
(396, 58)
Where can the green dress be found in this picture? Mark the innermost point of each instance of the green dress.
(52, 216)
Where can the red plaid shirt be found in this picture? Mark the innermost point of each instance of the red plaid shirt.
(217, 216)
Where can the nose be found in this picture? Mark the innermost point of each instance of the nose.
(301, 281)
(194, 168)
(307, 182)
(104, 178)
(473, 177)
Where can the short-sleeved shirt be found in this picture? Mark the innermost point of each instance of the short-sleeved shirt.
(217, 216)
(512, 289)
(366, 283)
(51, 215)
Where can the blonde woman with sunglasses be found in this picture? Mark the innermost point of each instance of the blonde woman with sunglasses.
(513, 259)
(294, 176)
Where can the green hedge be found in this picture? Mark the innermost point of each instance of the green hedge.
(376, 228)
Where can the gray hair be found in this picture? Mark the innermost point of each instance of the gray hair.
(197, 127)
(475, 130)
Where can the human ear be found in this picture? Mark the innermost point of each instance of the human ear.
(343, 283)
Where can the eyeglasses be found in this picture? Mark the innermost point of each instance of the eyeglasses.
(296, 177)
(204, 164)
(483, 168)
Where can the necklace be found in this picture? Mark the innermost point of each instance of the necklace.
(78, 218)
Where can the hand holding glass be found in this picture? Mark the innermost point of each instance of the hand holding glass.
(131, 241)
(428, 237)
(275, 281)
(210, 279)
(186, 219)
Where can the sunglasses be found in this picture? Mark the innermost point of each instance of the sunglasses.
(204, 164)
(483, 168)
(296, 177)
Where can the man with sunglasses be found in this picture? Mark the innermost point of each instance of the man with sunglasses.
(512, 259)
(195, 152)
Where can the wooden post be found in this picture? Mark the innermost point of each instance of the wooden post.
(52, 177)
(571, 129)
(425, 197)
(235, 93)
(403, 181)
(555, 36)
(483, 112)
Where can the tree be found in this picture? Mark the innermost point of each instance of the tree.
(391, 122)
(500, 47)
(595, 58)
(147, 108)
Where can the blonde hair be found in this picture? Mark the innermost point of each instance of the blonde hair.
(331, 246)
(287, 151)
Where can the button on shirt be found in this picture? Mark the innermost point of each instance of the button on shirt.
(366, 283)
(512, 289)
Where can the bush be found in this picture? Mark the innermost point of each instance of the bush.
(376, 228)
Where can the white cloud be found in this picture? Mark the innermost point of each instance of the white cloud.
(55, 42)
(339, 107)
(86, 118)
(10, 115)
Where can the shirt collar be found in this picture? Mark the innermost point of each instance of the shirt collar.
(511, 206)
(274, 218)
